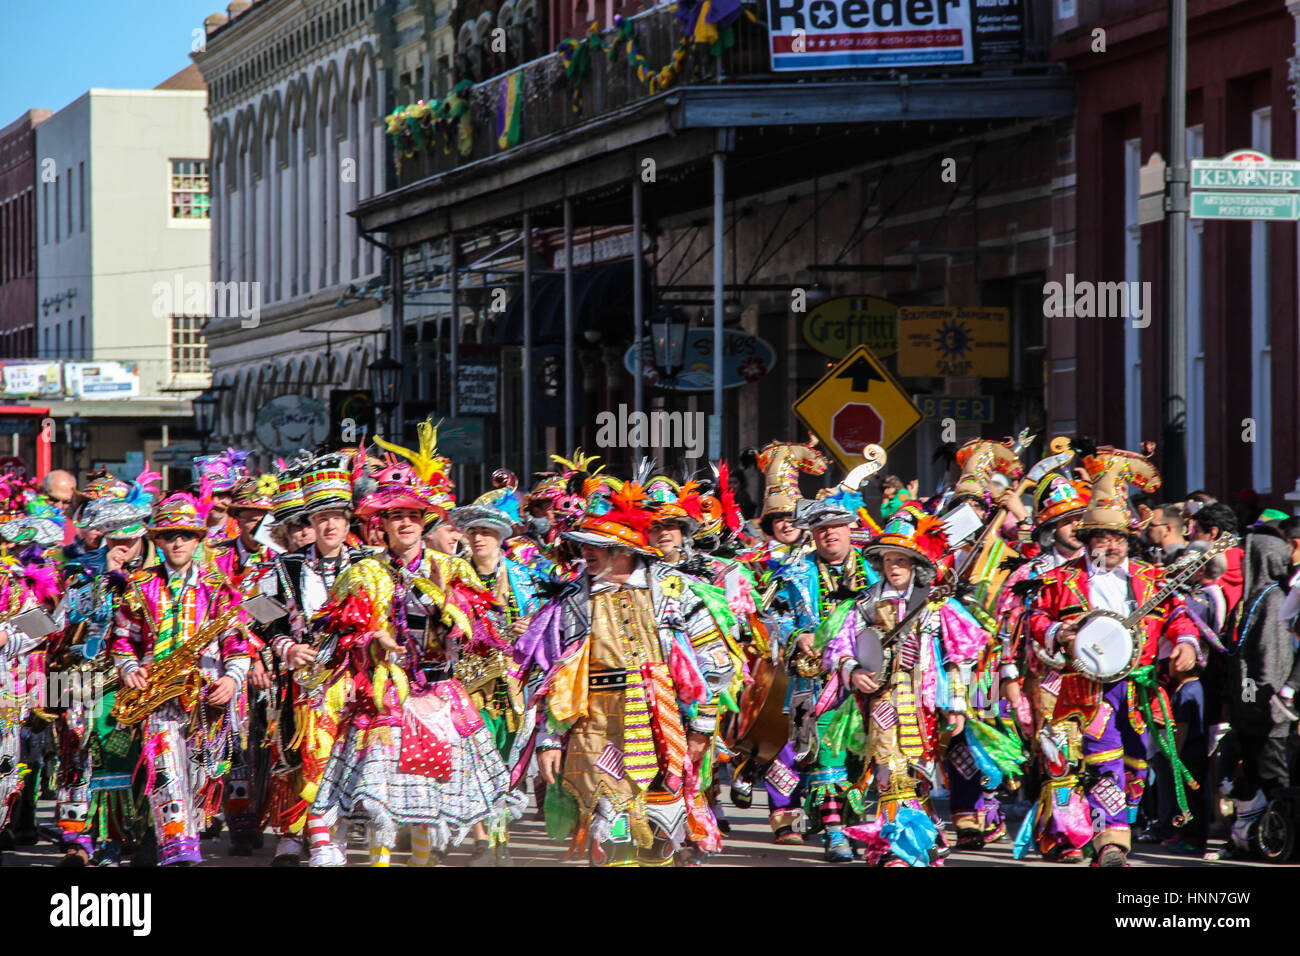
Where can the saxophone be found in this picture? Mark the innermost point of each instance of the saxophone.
(176, 676)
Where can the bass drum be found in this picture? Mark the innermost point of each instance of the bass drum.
(1104, 650)
(762, 728)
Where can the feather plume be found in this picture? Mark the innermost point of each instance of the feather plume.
(426, 462)
(730, 509)
(689, 500)
(579, 462)
(628, 506)
(930, 537)
(359, 462)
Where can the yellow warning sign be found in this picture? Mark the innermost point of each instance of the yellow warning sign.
(857, 403)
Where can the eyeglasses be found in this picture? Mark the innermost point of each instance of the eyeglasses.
(170, 536)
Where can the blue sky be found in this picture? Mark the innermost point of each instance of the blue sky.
(52, 51)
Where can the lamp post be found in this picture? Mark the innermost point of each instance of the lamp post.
(77, 430)
(386, 387)
(668, 332)
(205, 417)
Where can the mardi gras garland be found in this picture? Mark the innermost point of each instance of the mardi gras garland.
(708, 24)
(417, 127)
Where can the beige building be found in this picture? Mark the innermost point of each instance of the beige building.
(122, 234)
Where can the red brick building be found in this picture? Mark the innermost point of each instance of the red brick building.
(18, 172)
(1241, 321)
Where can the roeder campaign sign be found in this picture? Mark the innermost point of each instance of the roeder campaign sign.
(840, 34)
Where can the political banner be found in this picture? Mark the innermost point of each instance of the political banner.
(846, 34)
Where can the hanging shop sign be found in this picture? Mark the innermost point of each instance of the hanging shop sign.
(476, 389)
(953, 342)
(745, 358)
(288, 423)
(843, 34)
(857, 403)
(960, 408)
(838, 326)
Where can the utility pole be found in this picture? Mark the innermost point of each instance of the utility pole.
(1174, 413)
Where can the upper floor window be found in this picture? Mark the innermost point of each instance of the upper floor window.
(189, 189)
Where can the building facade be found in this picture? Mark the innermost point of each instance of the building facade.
(1240, 403)
(296, 106)
(122, 266)
(18, 189)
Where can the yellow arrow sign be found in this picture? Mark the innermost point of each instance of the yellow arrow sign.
(857, 403)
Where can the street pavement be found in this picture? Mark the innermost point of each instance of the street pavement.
(749, 844)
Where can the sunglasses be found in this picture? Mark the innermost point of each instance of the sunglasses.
(170, 536)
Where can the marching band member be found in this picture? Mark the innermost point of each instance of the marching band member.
(627, 667)
(321, 493)
(810, 588)
(412, 749)
(899, 718)
(1110, 720)
(166, 607)
(97, 756)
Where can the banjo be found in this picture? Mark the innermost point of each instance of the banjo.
(1108, 646)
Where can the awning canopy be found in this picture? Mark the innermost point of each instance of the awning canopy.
(602, 300)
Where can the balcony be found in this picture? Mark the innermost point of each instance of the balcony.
(611, 88)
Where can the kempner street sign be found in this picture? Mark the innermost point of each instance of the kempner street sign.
(1245, 184)
(1284, 206)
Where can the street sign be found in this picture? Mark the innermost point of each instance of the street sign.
(857, 403)
(954, 342)
(960, 408)
(1151, 190)
(1235, 205)
(1248, 170)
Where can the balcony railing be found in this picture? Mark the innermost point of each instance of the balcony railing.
(552, 105)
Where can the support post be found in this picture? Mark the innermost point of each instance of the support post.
(528, 351)
(1174, 413)
(570, 355)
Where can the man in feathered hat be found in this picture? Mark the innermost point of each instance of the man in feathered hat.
(164, 607)
(884, 703)
(626, 669)
(808, 587)
(1059, 504)
(1112, 719)
(300, 580)
(96, 756)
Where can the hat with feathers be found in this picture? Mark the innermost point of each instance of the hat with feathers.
(912, 530)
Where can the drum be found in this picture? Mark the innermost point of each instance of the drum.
(870, 652)
(1104, 648)
(762, 727)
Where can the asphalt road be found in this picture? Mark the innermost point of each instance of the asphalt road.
(749, 844)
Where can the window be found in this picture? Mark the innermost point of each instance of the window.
(45, 214)
(69, 178)
(1064, 9)
(189, 347)
(189, 189)
(56, 207)
(81, 176)
(58, 340)
(81, 337)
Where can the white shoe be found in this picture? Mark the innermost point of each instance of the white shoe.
(329, 855)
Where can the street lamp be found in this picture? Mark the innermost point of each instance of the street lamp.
(78, 434)
(205, 417)
(668, 332)
(386, 387)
